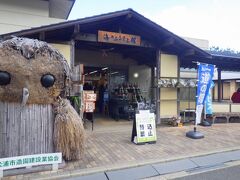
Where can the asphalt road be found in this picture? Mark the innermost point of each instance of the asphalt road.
(228, 173)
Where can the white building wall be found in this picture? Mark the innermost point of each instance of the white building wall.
(201, 43)
(17, 15)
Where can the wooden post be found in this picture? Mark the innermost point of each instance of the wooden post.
(1, 173)
(72, 51)
(232, 88)
(178, 89)
(158, 59)
(42, 36)
(153, 83)
(219, 85)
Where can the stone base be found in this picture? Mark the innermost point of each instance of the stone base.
(195, 135)
(205, 123)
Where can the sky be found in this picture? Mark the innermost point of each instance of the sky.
(217, 21)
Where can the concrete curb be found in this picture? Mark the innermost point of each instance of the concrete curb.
(185, 174)
(113, 167)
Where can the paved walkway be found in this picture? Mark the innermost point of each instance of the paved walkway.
(109, 148)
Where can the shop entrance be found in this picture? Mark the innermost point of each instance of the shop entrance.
(121, 83)
(104, 81)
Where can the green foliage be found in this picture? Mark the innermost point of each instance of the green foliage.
(75, 100)
(227, 52)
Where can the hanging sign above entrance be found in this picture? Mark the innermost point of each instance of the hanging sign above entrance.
(118, 38)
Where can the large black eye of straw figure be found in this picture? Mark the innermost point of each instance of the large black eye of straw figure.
(47, 80)
(5, 78)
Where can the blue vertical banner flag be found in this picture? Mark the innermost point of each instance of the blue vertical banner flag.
(205, 75)
(208, 106)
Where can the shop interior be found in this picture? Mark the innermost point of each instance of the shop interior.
(121, 81)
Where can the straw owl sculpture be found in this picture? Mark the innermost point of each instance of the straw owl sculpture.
(35, 116)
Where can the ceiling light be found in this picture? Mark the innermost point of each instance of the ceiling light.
(92, 72)
(104, 68)
(114, 73)
(135, 75)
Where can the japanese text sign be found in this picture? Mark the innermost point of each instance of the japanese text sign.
(90, 97)
(30, 160)
(89, 101)
(205, 75)
(89, 106)
(208, 101)
(145, 125)
(118, 38)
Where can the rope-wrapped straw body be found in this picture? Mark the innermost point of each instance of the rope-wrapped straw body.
(68, 131)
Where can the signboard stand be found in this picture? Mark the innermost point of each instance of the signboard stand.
(205, 122)
(1, 173)
(89, 104)
(54, 167)
(205, 74)
(144, 128)
(134, 130)
(195, 134)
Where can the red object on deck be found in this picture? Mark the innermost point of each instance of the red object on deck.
(236, 97)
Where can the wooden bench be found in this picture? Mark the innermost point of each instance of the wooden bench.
(226, 115)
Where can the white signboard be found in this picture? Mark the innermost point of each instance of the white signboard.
(89, 106)
(90, 96)
(30, 160)
(146, 128)
(89, 101)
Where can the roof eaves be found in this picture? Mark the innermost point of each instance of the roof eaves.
(155, 25)
(105, 16)
(70, 8)
(69, 23)
(225, 56)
